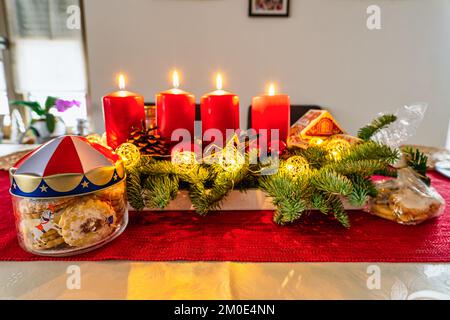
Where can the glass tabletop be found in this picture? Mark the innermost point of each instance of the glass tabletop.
(222, 280)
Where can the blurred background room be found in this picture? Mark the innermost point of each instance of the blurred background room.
(321, 53)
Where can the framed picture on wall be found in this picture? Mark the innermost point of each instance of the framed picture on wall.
(268, 8)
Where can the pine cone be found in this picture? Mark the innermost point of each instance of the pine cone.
(149, 142)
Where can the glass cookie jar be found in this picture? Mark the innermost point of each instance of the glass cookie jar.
(70, 207)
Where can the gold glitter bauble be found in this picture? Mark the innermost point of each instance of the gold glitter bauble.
(336, 148)
(129, 153)
(295, 166)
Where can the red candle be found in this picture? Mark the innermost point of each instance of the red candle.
(175, 109)
(123, 111)
(220, 110)
(272, 111)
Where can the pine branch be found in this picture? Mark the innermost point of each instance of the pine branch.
(199, 174)
(366, 183)
(199, 199)
(417, 160)
(372, 151)
(316, 156)
(362, 167)
(319, 202)
(368, 131)
(134, 189)
(289, 211)
(159, 191)
(287, 195)
(149, 166)
(339, 211)
(387, 172)
(361, 189)
(209, 199)
(332, 182)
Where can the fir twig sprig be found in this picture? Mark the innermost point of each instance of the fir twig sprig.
(371, 150)
(134, 188)
(367, 132)
(332, 182)
(288, 195)
(339, 211)
(417, 160)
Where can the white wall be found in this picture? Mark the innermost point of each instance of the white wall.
(323, 54)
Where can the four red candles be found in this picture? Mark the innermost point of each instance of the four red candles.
(220, 110)
(272, 111)
(123, 111)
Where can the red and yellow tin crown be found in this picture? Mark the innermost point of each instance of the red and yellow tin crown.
(66, 166)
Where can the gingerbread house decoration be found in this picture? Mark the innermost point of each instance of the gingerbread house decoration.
(315, 123)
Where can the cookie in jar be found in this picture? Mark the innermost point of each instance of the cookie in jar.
(69, 197)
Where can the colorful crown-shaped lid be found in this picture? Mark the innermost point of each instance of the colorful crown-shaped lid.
(66, 166)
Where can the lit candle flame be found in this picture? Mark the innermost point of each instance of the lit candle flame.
(271, 89)
(176, 79)
(121, 81)
(219, 82)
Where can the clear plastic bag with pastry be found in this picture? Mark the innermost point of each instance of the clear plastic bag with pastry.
(68, 197)
(406, 200)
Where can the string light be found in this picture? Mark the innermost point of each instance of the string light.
(94, 138)
(184, 160)
(295, 166)
(270, 165)
(99, 139)
(231, 160)
(317, 142)
(129, 153)
(336, 148)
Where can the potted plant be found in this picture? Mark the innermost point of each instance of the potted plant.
(46, 125)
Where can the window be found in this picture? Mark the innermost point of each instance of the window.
(70, 116)
(4, 108)
(48, 55)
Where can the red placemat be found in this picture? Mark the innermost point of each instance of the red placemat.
(253, 237)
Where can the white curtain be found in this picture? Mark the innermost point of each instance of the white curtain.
(49, 65)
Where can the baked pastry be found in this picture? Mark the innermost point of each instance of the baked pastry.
(86, 222)
(31, 208)
(115, 196)
(50, 240)
(406, 200)
(411, 206)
